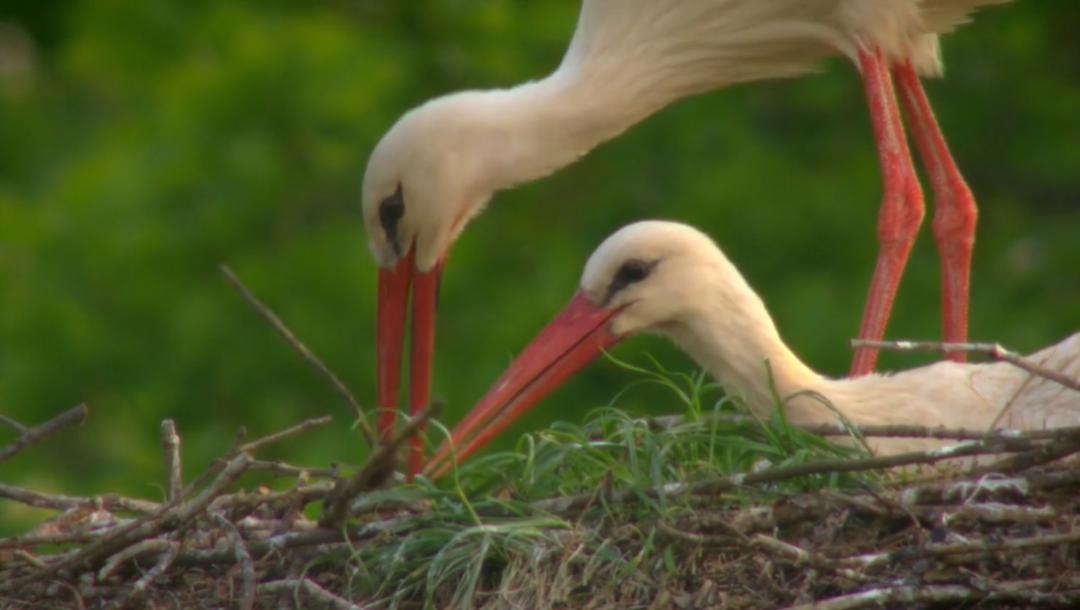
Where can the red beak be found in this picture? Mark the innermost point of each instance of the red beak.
(573, 339)
(394, 286)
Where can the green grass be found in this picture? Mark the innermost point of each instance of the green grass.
(485, 537)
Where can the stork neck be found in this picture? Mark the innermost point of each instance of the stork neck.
(542, 126)
(730, 333)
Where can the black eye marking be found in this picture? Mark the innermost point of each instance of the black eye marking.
(631, 272)
(391, 211)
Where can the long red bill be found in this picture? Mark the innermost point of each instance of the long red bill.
(573, 339)
(422, 356)
(394, 284)
(394, 287)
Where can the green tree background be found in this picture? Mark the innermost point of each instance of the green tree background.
(145, 142)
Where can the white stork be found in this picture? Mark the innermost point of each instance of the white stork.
(671, 279)
(442, 161)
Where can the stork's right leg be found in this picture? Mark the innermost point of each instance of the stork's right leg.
(954, 206)
(901, 205)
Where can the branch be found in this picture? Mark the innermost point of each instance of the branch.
(376, 470)
(994, 350)
(110, 502)
(294, 586)
(1022, 591)
(297, 345)
(243, 559)
(170, 447)
(32, 436)
(305, 425)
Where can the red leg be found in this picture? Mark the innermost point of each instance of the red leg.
(901, 205)
(954, 206)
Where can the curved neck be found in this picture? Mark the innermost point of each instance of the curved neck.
(541, 126)
(729, 332)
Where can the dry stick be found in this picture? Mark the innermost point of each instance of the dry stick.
(967, 548)
(27, 541)
(31, 436)
(149, 526)
(145, 547)
(994, 350)
(218, 463)
(170, 447)
(1064, 445)
(284, 469)
(318, 594)
(14, 425)
(238, 446)
(780, 473)
(1023, 591)
(376, 470)
(290, 338)
(303, 426)
(160, 568)
(243, 559)
(110, 502)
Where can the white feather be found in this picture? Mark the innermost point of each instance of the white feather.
(699, 299)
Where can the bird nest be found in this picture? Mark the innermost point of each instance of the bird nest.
(1002, 534)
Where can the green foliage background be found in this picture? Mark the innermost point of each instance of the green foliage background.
(144, 142)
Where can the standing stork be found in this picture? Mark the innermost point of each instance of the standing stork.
(441, 162)
(670, 279)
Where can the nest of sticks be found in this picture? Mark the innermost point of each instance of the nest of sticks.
(1004, 534)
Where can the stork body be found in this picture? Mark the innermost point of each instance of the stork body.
(442, 161)
(668, 278)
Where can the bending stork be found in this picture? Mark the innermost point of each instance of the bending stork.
(670, 279)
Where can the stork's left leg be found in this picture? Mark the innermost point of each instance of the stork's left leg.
(954, 206)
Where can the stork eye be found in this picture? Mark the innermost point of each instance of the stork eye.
(391, 211)
(632, 271)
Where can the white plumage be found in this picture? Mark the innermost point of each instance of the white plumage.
(670, 279)
(697, 297)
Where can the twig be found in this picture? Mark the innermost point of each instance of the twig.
(1066, 443)
(1024, 592)
(170, 447)
(994, 350)
(14, 425)
(163, 564)
(27, 541)
(110, 502)
(307, 424)
(243, 559)
(283, 469)
(238, 446)
(219, 463)
(375, 472)
(32, 436)
(145, 547)
(290, 338)
(318, 594)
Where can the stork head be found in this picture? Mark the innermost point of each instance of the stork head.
(648, 276)
(424, 180)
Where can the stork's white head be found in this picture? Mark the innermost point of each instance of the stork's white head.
(655, 274)
(426, 178)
